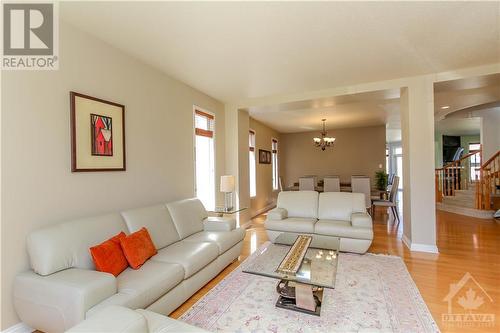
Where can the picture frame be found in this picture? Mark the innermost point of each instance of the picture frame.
(264, 156)
(97, 134)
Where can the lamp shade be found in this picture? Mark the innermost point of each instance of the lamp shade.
(227, 184)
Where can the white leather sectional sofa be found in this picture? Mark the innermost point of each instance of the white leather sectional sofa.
(118, 319)
(63, 287)
(323, 215)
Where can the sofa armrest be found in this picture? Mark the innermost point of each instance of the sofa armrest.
(213, 223)
(54, 303)
(277, 214)
(363, 220)
(159, 323)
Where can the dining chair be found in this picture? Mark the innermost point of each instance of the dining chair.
(391, 202)
(306, 184)
(331, 184)
(361, 184)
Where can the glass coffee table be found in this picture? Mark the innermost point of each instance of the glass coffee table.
(302, 291)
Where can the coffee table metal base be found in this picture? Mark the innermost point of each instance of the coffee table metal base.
(288, 302)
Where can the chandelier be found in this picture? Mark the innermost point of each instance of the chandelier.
(324, 141)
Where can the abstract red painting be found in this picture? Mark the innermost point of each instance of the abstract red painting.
(101, 135)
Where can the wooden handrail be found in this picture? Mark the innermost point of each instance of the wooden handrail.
(489, 180)
(490, 160)
(461, 159)
(455, 176)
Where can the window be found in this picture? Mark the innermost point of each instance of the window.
(253, 177)
(475, 161)
(205, 158)
(274, 150)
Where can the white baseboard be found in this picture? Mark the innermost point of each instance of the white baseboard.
(415, 247)
(19, 328)
(406, 242)
(264, 209)
(246, 224)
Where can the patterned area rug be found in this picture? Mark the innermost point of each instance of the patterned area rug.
(373, 293)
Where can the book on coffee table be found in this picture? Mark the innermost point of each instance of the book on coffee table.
(293, 259)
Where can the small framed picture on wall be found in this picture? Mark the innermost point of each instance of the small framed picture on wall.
(264, 156)
(97, 134)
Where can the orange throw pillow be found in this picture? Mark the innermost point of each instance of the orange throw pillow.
(138, 247)
(108, 256)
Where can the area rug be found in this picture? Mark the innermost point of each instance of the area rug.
(373, 293)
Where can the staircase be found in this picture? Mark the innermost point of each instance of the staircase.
(456, 193)
(463, 202)
(463, 198)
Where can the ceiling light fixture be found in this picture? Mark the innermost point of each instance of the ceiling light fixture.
(324, 141)
(445, 107)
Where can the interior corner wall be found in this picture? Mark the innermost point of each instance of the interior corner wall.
(37, 184)
(266, 196)
(357, 151)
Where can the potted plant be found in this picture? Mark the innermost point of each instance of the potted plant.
(381, 184)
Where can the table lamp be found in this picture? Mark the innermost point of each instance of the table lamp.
(227, 186)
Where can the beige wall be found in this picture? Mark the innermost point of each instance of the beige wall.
(37, 185)
(490, 133)
(265, 197)
(357, 151)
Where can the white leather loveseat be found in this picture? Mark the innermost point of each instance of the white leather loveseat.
(329, 214)
(118, 319)
(63, 287)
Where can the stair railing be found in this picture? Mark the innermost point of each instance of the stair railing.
(489, 182)
(457, 175)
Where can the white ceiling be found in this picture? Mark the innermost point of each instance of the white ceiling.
(468, 93)
(458, 126)
(236, 50)
(347, 111)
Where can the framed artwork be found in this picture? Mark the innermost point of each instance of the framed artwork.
(264, 156)
(97, 134)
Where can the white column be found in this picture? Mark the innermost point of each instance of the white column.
(417, 121)
(237, 124)
(490, 132)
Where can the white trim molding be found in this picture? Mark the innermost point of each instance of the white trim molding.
(264, 209)
(414, 247)
(19, 328)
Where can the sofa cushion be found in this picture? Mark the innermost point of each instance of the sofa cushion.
(340, 205)
(292, 224)
(188, 216)
(157, 220)
(299, 203)
(342, 229)
(193, 256)
(223, 239)
(66, 245)
(113, 319)
(150, 282)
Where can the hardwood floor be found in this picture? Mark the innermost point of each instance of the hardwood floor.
(465, 245)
